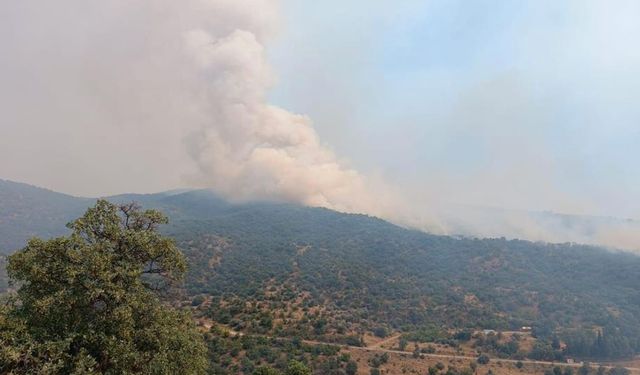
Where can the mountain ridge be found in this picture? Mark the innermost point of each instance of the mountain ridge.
(368, 273)
(36, 195)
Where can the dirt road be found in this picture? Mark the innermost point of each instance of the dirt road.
(376, 348)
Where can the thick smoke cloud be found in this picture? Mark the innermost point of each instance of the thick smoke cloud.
(248, 149)
(105, 97)
(160, 93)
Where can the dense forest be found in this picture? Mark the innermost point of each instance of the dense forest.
(292, 271)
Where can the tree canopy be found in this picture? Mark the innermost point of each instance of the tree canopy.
(90, 302)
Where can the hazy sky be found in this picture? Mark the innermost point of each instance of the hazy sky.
(517, 104)
(529, 104)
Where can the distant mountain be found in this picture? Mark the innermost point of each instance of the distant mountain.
(544, 225)
(367, 273)
(27, 211)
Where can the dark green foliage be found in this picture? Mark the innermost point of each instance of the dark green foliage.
(430, 349)
(352, 368)
(610, 342)
(381, 332)
(4, 279)
(269, 355)
(378, 360)
(428, 333)
(463, 335)
(543, 351)
(87, 303)
(402, 343)
(359, 266)
(367, 273)
(492, 343)
(353, 341)
(197, 300)
(483, 359)
(297, 368)
(27, 211)
(264, 370)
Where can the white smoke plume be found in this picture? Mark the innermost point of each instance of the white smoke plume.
(248, 149)
(159, 93)
(105, 97)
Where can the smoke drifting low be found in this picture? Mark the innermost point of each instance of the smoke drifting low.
(176, 88)
(248, 149)
(111, 96)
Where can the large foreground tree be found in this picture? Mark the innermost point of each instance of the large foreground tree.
(89, 302)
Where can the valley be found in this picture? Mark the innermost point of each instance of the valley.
(316, 285)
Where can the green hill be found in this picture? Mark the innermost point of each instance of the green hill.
(27, 211)
(361, 273)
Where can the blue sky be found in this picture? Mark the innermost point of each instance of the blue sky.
(520, 104)
(515, 104)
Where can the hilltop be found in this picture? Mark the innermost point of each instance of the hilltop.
(286, 270)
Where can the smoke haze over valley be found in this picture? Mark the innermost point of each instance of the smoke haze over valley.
(304, 187)
(414, 115)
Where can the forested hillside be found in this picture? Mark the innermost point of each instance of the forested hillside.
(334, 276)
(27, 211)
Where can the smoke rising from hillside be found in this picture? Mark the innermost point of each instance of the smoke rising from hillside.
(178, 89)
(105, 97)
(247, 149)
